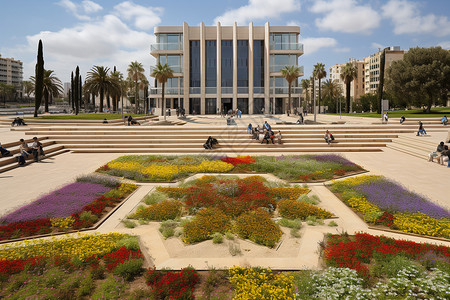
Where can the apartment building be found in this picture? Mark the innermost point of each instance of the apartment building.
(227, 67)
(372, 67)
(357, 86)
(11, 72)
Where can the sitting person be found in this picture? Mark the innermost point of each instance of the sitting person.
(328, 137)
(105, 121)
(255, 132)
(279, 137)
(210, 142)
(444, 155)
(266, 137)
(444, 120)
(272, 137)
(385, 117)
(249, 128)
(436, 153)
(421, 129)
(130, 118)
(300, 119)
(402, 119)
(18, 122)
(37, 149)
(4, 152)
(23, 152)
(267, 126)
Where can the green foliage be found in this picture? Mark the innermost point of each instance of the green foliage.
(129, 269)
(206, 222)
(234, 249)
(296, 224)
(314, 199)
(295, 232)
(332, 224)
(258, 227)
(88, 217)
(300, 210)
(313, 221)
(390, 265)
(167, 228)
(229, 235)
(111, 288)
(129, 242)
(129, 223)
(217, 238)
(155, 197)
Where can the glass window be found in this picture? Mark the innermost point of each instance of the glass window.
(258, 63)
(211, 64)
(194, 64)
(242, 63)
(227, 63)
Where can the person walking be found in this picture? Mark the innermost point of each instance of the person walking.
(421, 129)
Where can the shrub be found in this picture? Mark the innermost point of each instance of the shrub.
(165, 210)
(154, 198)
(111, 288)
(167, 228)
(129, 242)
(229, 235)
(129, 223)
(234, 249)
(172, 284)
(129, 269)
(206, 222)
(88, 217)
(217, 238)
(296, 224)
(291, 193)
(314, 199)
(258, 227)
(99, 179)
(300, 210)
(332, 224)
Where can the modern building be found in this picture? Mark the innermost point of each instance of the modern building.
(11, 72)
(372, 67)
(227, 67)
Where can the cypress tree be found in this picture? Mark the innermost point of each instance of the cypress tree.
(39, 76)
(381, 85)
(80, 92)
(77, 90)
(72, 92)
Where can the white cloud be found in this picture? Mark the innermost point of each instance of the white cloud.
(108, 41)
(88, 7)
(312, 45)
(445, 45)
(407, 19)
(345, 16)
(257, 10)
(342, 49)
(91, 7)
(144, 17)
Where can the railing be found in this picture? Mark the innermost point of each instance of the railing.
(175, 69)
(258, 90)
(285, 90)
(194, 90)
(277, 68)
(227, 90)
(286, 46)
(166, 46)
(242, 90)
(211, 90)
(168, 91)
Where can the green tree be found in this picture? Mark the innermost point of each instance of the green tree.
(305, 86)
(290, 73)
(333, 90)
(6, 91)
(98, 82)
(39, 82)
(348, 73)
(319, 72)
(162, 73)
(136, 73)
(421, 78)
(52, 87)
(76, 89)
(28, 87)
(117, 78)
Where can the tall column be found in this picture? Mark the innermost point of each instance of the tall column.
(186, 56)
(219, 66)
(267, 67)
(250, 68)
(234, 65)
(202, 68)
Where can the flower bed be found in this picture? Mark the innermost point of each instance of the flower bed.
(74, 206)
(360, 251)
(387, 203)
(172, 284)
(292, 167)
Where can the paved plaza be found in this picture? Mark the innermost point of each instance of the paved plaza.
(22, 185)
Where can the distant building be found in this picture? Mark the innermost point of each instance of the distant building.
(357, 85)
(372, 67)
(227, 67)
(11, 72)
(66, 88)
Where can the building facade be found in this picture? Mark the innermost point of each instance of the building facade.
(11, 72)
(372, 67)
(218, 68)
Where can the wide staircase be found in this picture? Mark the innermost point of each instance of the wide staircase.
(233, 140)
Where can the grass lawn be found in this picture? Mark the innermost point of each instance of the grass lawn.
(436, 112)
(94, 116)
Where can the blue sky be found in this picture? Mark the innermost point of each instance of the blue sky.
(114, 33)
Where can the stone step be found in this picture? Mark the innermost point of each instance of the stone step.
(49, 152)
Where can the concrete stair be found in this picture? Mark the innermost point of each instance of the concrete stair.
(418, 147)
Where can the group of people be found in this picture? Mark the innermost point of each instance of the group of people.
(131, 121)
(18, 122)
(231, 113)
(265, 134)
(442, 154)
(210, 143)
(181, 112)
(25, 150)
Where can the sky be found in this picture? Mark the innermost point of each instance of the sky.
(114, 33)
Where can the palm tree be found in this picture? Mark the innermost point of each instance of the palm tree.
(290, 73)
(99, 82)
(332, 89)
(313, 80)
(319, 72)
(162, 73)
(117, 77)
(305, 86)
(52, 86)
(143, 86)
(136, 73)
(348, 73)
(28, 87)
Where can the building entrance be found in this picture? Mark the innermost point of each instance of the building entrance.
(227, 104)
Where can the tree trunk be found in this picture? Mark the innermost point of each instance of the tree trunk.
(101, 101)
(320, 95)
(136, 97)
(163, 101)
(45, 100)
(430, 102)
(289, 97)
(108, 102)
(347, 90)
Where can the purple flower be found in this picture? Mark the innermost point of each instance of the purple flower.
(61, 203)
(332, 158)
(393, 197)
